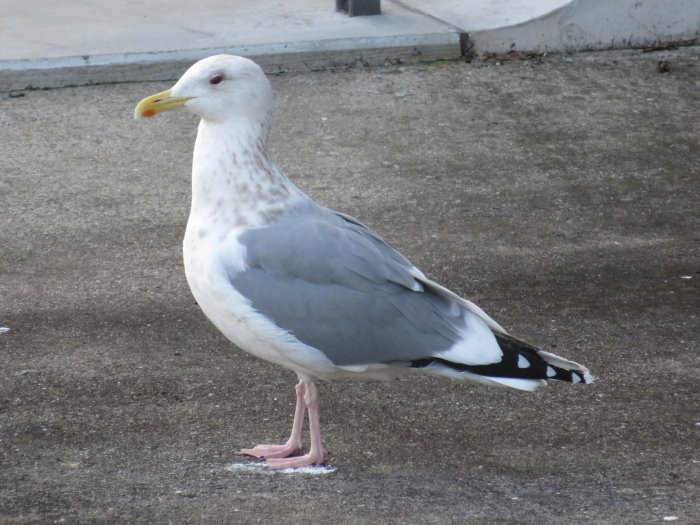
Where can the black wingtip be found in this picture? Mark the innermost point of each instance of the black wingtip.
(520, 360)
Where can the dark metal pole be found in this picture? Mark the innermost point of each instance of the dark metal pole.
(359, 7)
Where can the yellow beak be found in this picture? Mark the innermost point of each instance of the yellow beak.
(158, 103)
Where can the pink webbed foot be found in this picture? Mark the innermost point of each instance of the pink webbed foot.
(293, 445)
(270, 451)
(316, 454)
(278, 456)
(307, 460)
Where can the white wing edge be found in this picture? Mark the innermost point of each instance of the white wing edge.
(463, 302)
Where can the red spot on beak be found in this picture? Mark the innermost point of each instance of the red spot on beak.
(148, 113)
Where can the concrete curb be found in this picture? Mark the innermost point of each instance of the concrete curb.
(434, 30)
(273, 58)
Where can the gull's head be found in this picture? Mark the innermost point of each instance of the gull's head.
(221, 88)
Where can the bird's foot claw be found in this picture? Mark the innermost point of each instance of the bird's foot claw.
(270, 451)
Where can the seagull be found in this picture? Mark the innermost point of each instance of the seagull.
(312, 289)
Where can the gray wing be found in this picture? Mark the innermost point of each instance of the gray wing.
(338, 287)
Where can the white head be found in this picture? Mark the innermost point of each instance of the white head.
(221, 88)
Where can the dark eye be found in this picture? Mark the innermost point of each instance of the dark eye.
(216, 79)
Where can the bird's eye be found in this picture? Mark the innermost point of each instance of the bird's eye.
(216, 79)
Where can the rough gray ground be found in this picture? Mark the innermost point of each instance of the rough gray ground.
(560, 194)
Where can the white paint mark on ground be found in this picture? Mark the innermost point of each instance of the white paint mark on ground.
(259, 468)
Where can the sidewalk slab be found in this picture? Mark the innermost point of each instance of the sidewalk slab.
(94, 42)
(79, 42)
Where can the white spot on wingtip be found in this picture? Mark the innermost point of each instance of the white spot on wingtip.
(575, 378)
(551, 372)
(4, 329)
(670, 518)
(523, 362)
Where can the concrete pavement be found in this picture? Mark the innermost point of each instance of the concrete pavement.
(560, 194)
(45, 43)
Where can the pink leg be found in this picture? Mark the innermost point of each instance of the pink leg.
(293, 445)
(316, 454)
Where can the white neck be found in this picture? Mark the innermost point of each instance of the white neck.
(234, 178)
